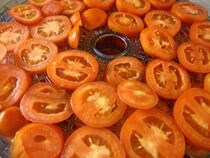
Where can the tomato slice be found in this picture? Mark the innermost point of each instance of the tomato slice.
(25, 14)
(52, 8)
(93, 18)
(3, 53)
(94, 143)
(39, 3)
(52, 28)
(44, 103)
(104, 108)
(76, 19)
(165, 20)
(12, 34)
(37, 140)
(124, 68)
(101, 4)
(189, 12)
(162, 4)
(191, 112)
(72, 6)
(72, 68)
(125, 23)
(152, 133)
(207, 82)
(137, 95)
(200, 33)
(158, 43)
(11, 120)
(194, 57)
(167, 78)
(74, 36)
(137, 7)
(34, 55)
(14, 83)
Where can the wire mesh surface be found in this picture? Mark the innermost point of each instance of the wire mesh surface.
(87, 39)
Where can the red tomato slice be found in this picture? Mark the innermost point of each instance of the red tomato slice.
(165, 20)
(137, 7)
(37, 140)
(72, 6)
(11, 120)
(14, 83)
(200, 33)
(39, 3)
(194, 57)
(152, 133)
(207, 83)
(74, 35)
(34, 55)
(189, 12)
(101, 4)
(12, 34)
(3, 53)
(92, 142)
(191, 112)
(52, 28)
(158, 43)
(72, 68)
(76, 19)
(137, 95)
(167, 78)
(25, 14)
(162, 4)
(125, 23)
(124, 68)
(44, 103)
(52, 8)
(103, 110)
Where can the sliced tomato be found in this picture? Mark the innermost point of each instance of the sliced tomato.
(137, 95)
(45, 103)
(137, 7)
(207, 82)
(125, 23)
(76, 19)
(200, 33)
(165, 20)
(152, 133)
(189, 12)
(72, 6)
(52, 28)
(52, 8)
(14, 83)
(124, 68)
(12, 34)
(162, 4)
(101, 4)
(11, 120)
(72, 68)
(74, 36)
(34, 55)
(191, 112)
(25, 14)
(158, 43)
(39, 3)
(103, 110)
(93, 18)
(3, 52)
(167, 78)
(194, 57)
(93, 142)
(37, 140)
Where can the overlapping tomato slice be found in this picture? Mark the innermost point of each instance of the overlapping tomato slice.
(72, 6)
(3, 53)
(39, 3)
(101, 4)
(162, 4)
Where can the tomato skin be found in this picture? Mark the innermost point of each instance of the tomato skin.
(76, 19)
(39, 4)
(52, 8)
(32, 15)
(74, 35)
(140, 130)
(11, 28)
(130, 6)
(191, 115)
(207, 83)
(163, 45)
(189, 12)
(8, 126)
(3, 52)
(47, 49)
(73, 6)
(194, 62)
(163, 19)
(78, 140)
(199, 33)
(125, 23)
(37, 140)
(104, 5)
(162, 4)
